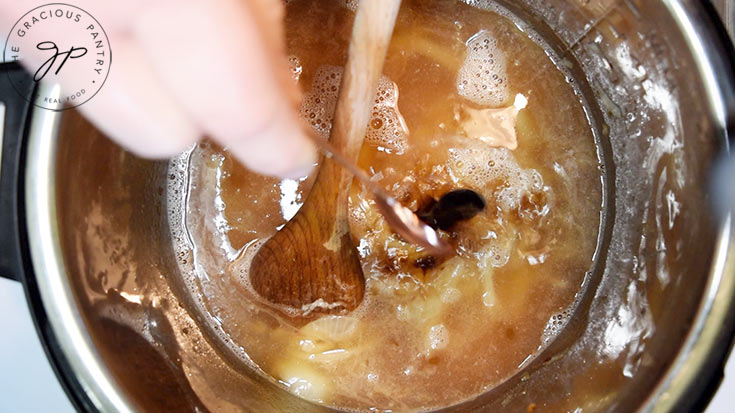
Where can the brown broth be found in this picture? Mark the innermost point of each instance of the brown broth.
(423, 337)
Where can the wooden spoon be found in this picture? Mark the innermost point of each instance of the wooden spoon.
(311, 264)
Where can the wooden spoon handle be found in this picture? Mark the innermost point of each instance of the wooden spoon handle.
(371, 35)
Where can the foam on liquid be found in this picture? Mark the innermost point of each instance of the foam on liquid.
(482, 78)
(422, 338)
(386, 129)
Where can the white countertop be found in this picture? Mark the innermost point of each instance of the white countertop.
(27, 383)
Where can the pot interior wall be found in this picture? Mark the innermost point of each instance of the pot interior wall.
(654, 262)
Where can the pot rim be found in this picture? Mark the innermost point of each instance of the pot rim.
(71, 349)
(81, 368)
(695, 373)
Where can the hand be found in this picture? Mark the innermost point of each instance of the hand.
(184, 69)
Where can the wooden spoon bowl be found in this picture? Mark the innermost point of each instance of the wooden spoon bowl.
(311, 264)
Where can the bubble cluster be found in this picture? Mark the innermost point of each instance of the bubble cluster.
(482, 78)
(294, 64)
(183, 172)
(386, 129)
(497, 253)
(176, 187)
(350, 4)
(555, 325)
(477, 165)
(387, 93)
(317, 107)
(438, 337)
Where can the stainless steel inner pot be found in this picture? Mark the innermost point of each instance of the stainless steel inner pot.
(660, 73)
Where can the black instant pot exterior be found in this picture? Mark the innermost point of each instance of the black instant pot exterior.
(15, 262)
